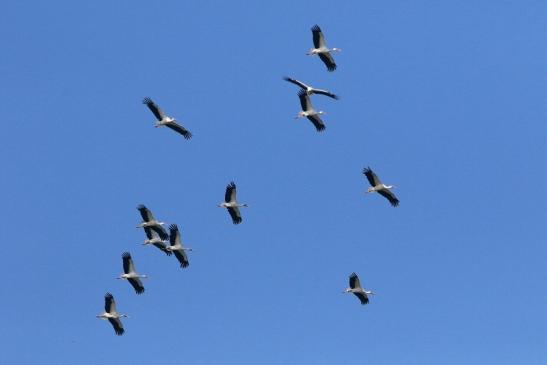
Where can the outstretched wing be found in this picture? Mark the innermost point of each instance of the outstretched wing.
(137, 285)
(296, 82)
(326, 93)
(117, 324)
(304, 100)
(174, 235)
(154, 108)
(127, 263)
(317, 122)
(163, 247)
(179, 129)
(161, 232)
(371, 177)
(318, 38)
(362, 297)
(230, 195)
(328, 60)
(235, 214)
(386, 193)
(354, 281)
(182, 257)
(109, 303)
(146, 214)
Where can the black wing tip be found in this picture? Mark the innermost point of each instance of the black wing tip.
(331, 68)
(139, 291)
(126, 255)
(315, 28)
(108, 295)
(141, 207)
(395, 203)
(237, 220)
(301, 93)
(147, 101)
(119, 332)
(187, 135)
(335, 97)
(184, 265)
(353, 275)
(231, 185)
(320, 128)
(287, 78)
(173, 227)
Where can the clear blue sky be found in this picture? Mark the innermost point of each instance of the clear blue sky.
(445, 99)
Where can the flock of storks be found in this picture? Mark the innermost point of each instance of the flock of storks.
(171, 243)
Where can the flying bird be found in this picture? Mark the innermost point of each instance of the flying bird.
(130, 274)
(355, 288)
(154, 239)
(377, 186)
(321, 49)
(176, 246)
(309, 112)
(311, 90)
(151, 222)
(164, 120)
(231, 203)
(111, 315)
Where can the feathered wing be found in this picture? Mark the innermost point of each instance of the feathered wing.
(386, 193)
(328, 60)
(354, 281)
(318, 38)
(174, 235)
(182, 257)
(154, 108)
(326, 93)
(230, 195)
(109, 303)
(146, 214)
(317, 122)
(235, 214)
(371, 177)
(362, 297)
(127, 263)
(296, 82)
(136, 283)
(305, 102)
(163, 247)
(162, 233)
(117, 324)
(179, 129)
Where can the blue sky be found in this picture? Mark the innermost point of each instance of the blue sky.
(443, 99)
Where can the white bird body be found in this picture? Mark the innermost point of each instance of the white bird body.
(309, 112)
(111, 315)
(164, 120)
(376, 186)
(320, 49)
(355, 288)
(176, 246)
(130, 274)
(231, 204)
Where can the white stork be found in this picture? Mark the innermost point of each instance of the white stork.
(355, 288)
(130, 274)
(164, 120)
(311, 90)
(378, 187)
(231, 203)
(309, 112)
(151, 222)
(154, 239)
(176, 246)
(321, 49)
(111, 315)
